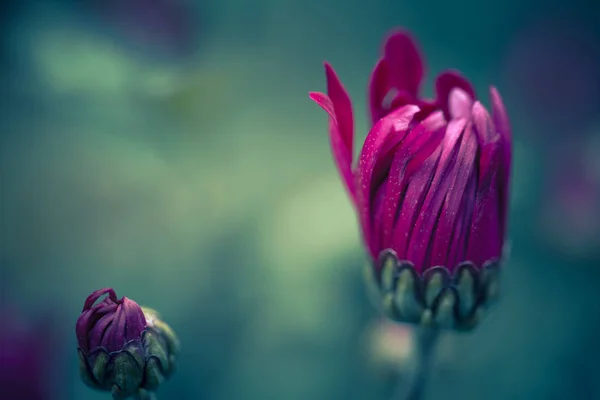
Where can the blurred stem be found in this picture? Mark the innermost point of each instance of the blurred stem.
(144, 395)
(425, 345)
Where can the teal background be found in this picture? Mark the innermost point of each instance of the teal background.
(191, 172)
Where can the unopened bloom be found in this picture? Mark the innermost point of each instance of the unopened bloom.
(430, 187)
(123, 348)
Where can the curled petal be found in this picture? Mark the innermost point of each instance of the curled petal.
(444, 85)
(379, 86)
(99, 329)
(341, 130)
(404, 61)
(401, 69)
(397, 124)
(92, 298)
(87, 321)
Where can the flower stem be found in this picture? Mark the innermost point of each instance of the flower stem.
(144, 395)
(426, 340)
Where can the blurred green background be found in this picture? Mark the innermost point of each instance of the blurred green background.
(169, 149)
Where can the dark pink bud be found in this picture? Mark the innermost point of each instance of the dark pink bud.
(431, 183)
(110, 323)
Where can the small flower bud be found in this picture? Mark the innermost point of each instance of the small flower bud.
(123, 348)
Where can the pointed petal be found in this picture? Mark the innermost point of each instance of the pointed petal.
(134, 319)
(445, 83)
(485, 237)
(421, 241)
(379, 86)
(82, 327)
(483, 124)
(502, 125)
(97, 332)
(417, 185)
(457, 178)
(501, 121)
(378, 210)
(341, 130)
(114, 336)
(404, 61)
(462, 228)
(459, 103)
(395, 123)
(418, 145)
(400, 69)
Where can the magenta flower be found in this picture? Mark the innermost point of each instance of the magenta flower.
(430, 186)
(27, 354)
(123, 347)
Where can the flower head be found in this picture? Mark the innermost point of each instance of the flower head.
(123, 347)
(431, 183)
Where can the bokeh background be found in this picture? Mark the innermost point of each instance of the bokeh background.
(168, 149)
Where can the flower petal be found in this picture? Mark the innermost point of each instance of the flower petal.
(460, 238)
(134, 319)
(445, 83)
(459, 103)
(483, 124)
(341, 130)
(417, 185)
(88, 319)
(400, 69)
(421, 240)
(404, 61)
(458, 177)
(486, 235)
(97, 332)
(397, 124)
(417, 146)
(379, 86)
(114, 336)
(502, 125)
(92, 298)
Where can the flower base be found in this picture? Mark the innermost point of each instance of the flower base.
(437, 298)
(139, 368)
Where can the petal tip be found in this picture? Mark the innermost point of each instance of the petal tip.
(322, 101)
(499, 114)
(483, 123)
(315, 96)
(400, 37)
